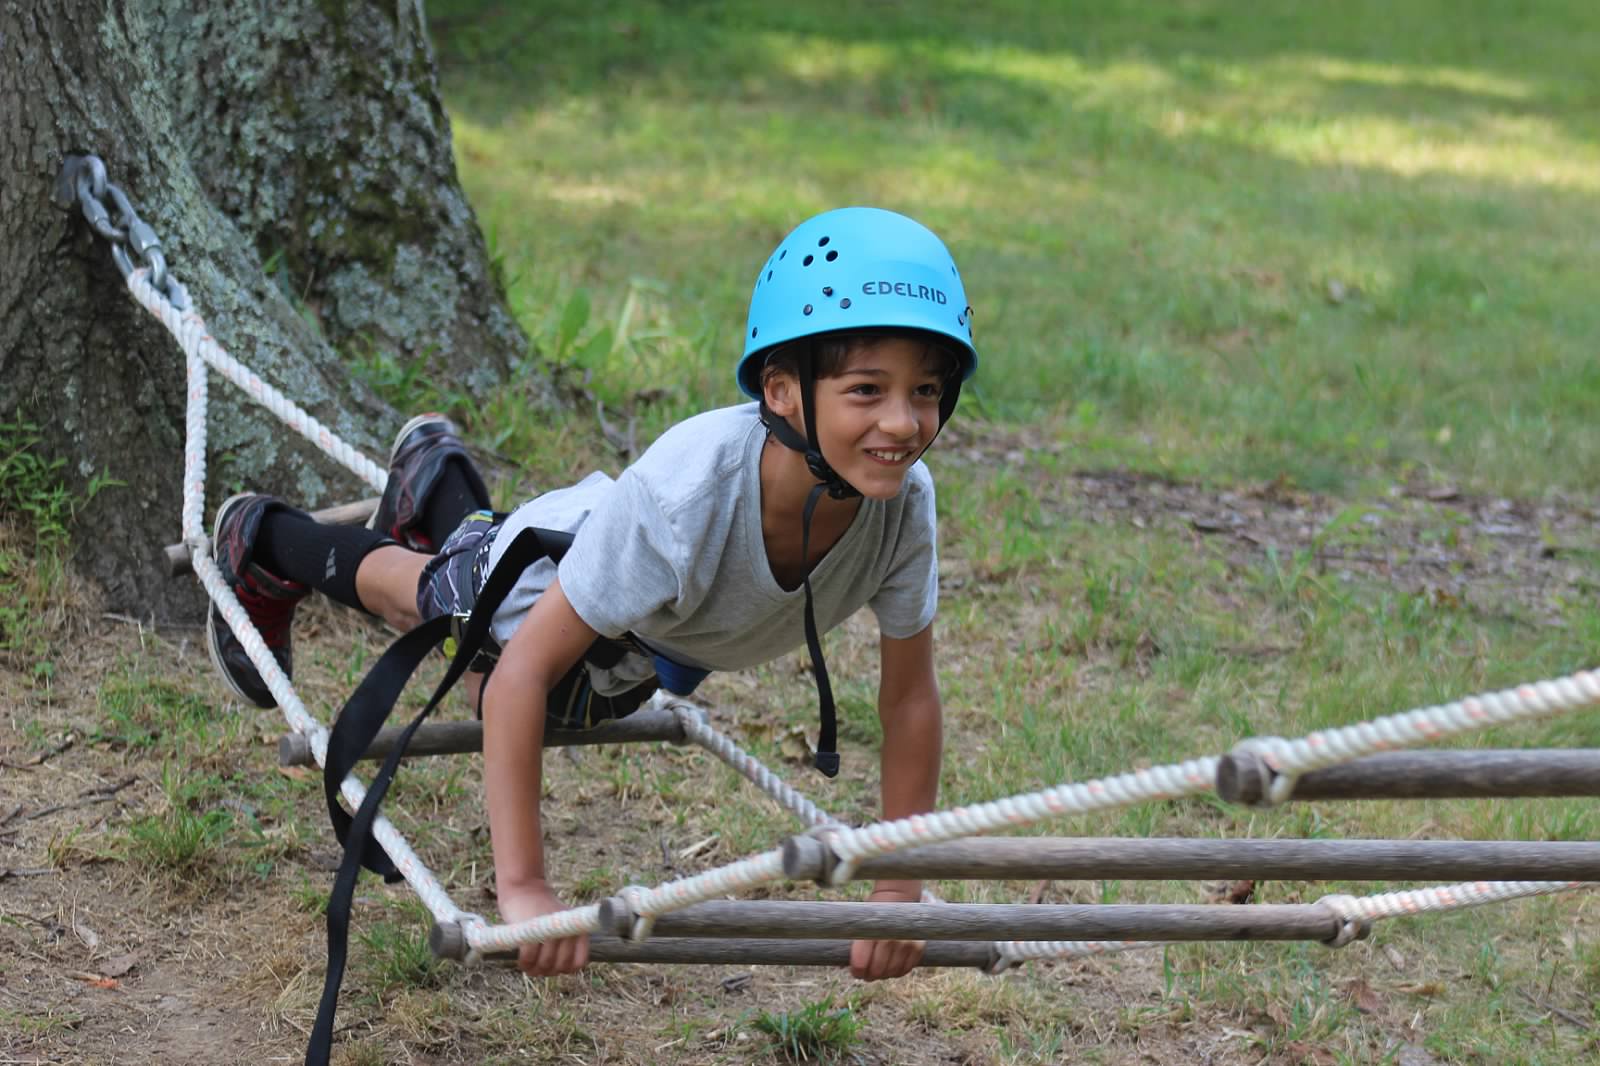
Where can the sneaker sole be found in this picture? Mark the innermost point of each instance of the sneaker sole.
(213, 617)
(399, 438)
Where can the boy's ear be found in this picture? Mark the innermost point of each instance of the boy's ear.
(782, 393)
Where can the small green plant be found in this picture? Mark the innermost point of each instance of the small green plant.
(399, 957)
(817, 1030)
(183, 839)
(308, 897)
(36, 510)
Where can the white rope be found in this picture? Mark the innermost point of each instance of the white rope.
(699, 730)
(189, 328)
(740, 876)
(190, 332)
(1443, 898)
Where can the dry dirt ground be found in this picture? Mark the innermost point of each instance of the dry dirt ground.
(106, 960)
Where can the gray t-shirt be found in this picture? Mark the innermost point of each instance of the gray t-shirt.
(672, 551)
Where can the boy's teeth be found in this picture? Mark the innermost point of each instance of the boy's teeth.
(893, 457)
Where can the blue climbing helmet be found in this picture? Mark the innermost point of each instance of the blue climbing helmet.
(854, 270)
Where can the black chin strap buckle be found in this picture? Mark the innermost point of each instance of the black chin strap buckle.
(828, 763)
(838, 487)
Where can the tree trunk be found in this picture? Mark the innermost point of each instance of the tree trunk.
(295, 160)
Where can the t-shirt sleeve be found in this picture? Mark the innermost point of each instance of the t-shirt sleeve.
(908, 598)
(624, 563)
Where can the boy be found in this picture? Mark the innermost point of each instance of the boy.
(736, 532)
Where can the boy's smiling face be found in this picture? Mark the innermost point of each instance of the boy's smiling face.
(875, 416)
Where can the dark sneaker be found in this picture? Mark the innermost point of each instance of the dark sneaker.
(268, 600)
(421, 451)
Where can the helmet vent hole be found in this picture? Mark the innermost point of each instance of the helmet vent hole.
(806, 261)
(808, 309)
(754, 330)
(769, 275)
(827, 290)
(782, 254)
(831, 256)
(822, 243)
(845, 303)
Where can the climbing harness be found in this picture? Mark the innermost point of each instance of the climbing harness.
(371, 840)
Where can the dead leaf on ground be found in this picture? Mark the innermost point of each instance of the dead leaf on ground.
(298, 773)
(1423, 988)
(795, 747)
(96, 980)
(1361, 996)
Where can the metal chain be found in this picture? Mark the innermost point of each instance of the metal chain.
(82, 182)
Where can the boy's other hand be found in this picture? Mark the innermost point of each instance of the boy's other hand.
(550, 957)
(879, 960)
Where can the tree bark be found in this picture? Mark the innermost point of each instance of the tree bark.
(295, 160)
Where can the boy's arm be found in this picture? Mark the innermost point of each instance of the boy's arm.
(912, 719)
(544, 647)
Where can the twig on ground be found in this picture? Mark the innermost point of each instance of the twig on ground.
(31, 871)
(1565, 1015)
(41, 758)
(91, 797)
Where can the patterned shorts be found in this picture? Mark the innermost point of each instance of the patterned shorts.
(449, 585)
(452, 579)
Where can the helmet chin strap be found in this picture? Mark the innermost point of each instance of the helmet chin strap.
(829, 481)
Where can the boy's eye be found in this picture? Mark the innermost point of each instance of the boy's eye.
(865, 389)
(932, 390)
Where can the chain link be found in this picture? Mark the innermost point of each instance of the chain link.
(82, 182)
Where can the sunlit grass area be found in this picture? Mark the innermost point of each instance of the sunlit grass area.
(1240, 241)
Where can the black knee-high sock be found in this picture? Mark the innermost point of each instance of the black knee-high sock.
(458, 492)
(312, 553)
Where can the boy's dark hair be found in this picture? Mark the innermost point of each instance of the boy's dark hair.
(833, 351)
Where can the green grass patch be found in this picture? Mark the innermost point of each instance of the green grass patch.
(186, 839)
(817, 1031)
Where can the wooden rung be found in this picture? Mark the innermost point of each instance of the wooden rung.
(457, 738)
(804, 919)
(1468, 774)
(806, 858)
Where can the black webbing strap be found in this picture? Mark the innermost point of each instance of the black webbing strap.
(358, 723)
(827, 759)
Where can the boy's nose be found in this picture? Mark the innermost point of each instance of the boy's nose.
(899, 418)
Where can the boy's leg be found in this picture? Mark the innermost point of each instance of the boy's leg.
(433, 485)
(272, 556)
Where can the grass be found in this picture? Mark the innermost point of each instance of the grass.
(1205, 239)
(1284, 421)
(816, 1031)
(36, 591)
